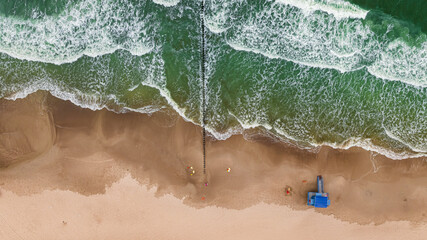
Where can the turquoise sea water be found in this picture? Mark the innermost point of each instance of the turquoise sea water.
(311, 72)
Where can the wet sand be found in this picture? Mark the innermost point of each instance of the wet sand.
(91, 169)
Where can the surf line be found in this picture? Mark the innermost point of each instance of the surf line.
(203, 69)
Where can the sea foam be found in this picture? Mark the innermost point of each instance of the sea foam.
(400, 62)
(167, 3)
(338, 8)
(321, 39)
(89, 28)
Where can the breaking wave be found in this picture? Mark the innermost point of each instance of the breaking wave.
(339, 8)
(312, 81)
(321, 39)
(167, 3)
(92, 28)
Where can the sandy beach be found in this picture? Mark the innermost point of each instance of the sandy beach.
(81, 174)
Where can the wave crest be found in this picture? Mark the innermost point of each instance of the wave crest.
(90, 28)
(167, 3)
(319, 39)
(340, 9)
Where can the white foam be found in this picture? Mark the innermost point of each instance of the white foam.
(318, 40)
(166, 94)
(414, 148)
(214, 27)
(400, 62)
(368, 145)
(282, 31)
(167, 3)
(93, 97)
(133, 87)
(145, 110)
(238, 47)
(88, 101)
(94, 102)
(88, 28)
(340, 53)
(251, 125)
(344, 55)
(217, 15)
(349, 143)
(338, 8)
(285, 135)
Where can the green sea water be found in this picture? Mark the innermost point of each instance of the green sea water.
(310, 72)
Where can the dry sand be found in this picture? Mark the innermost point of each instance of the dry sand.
(73, 173)
(129, 211)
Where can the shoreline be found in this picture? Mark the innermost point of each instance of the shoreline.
(51, 144)
(260, 129)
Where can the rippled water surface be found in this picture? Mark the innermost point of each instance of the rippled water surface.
(311, 72)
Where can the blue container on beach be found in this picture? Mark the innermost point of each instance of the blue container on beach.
(318, 199)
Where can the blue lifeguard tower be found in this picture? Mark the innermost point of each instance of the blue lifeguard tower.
(318, 199)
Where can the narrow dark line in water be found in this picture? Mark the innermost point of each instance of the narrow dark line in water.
(202, 16)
